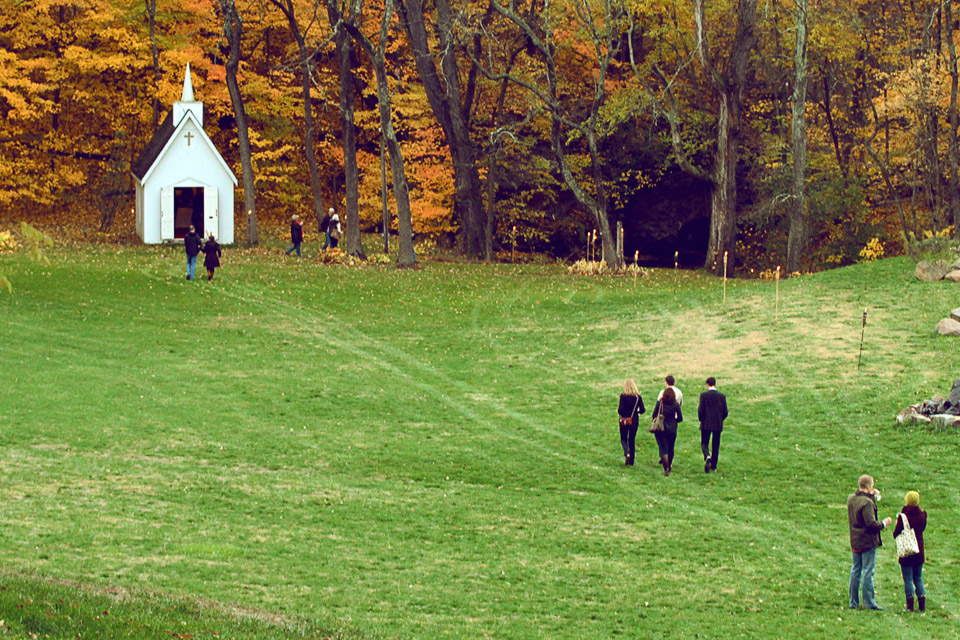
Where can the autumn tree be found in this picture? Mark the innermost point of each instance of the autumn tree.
(797, 240)
(304, 64)
(600, 27)
(377, 56)
(726, 74)
(70, 82)
(233, 34)
(440, 74)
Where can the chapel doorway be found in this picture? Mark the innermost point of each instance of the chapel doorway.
(188, 210)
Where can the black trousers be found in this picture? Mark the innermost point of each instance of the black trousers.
(666, 441)
(628, 440)
(714, 451)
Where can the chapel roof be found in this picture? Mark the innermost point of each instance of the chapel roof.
(149, 155)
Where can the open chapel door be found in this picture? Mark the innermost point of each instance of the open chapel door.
(211, 212)
(166, 213)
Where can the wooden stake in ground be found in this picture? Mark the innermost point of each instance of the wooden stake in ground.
(676, 271)
(863, 329)
(620, 262)
(636, 267)
(513, 249)
(776, 313)
(724, 277)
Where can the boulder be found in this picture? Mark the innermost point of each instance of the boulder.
(956, 264)
(955, 314)
(943, 420)
(909, 416)
(948, 327)
(932, 270)
(952, 404)
(953, 276)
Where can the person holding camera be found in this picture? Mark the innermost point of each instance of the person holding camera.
(864, 540)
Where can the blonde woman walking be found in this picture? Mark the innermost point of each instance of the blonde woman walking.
(631, 406)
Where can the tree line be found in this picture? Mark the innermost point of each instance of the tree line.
(814, 127)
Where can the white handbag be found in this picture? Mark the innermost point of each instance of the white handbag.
(907, 540)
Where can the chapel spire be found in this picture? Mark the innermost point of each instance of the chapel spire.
(187, 103)
(187, 86)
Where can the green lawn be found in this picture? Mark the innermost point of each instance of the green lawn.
(434, 453)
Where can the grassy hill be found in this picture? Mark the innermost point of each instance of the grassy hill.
(427, 454)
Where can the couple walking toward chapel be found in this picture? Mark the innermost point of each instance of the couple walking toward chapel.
(667, 414)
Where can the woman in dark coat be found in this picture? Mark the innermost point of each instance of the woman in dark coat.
(212, 252)
(912, 566)
(631, 406)
(667, 438)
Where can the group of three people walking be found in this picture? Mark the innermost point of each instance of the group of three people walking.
(331, 232)
(667, 415)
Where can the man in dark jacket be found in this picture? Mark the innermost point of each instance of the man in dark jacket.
(191, 243)
(296, 234)
(864, 540)
(712, 411)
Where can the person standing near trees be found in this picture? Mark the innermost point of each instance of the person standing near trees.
(296, 234)
(864, 540)
(711, 411)
(631, 406)
(334, 231)
(191, 244)
(325, 225)
(212, 252)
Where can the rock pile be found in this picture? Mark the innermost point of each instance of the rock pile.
(933, 270)
(936, 411)
(950, 326)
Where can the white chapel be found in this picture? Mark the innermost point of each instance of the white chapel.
(181, 179)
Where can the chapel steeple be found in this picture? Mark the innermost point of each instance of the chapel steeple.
(186, 102)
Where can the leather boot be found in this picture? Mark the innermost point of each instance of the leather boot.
(909, 603)
(922, 603)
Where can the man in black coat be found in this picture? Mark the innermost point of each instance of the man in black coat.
(191, 243)
(711, 412)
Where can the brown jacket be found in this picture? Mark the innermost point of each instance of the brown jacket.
(864, 526)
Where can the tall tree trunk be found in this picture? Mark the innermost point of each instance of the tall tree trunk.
(797, 238)
(608, 241)
(350, 171)
(730, 86)
(377, 56)
(445, 102)
(952, 150)
(151, 6)
(723, 195)
(233, 32)
(286, 6)
(606, 38)
(831, 125)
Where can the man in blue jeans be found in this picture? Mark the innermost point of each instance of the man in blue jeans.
(191, 244)
(864, 540)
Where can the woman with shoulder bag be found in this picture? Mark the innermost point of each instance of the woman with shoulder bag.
(631, 406)
(335, 230)
(912, 566)
(669, 408)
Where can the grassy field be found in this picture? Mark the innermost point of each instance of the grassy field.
(297, 450)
